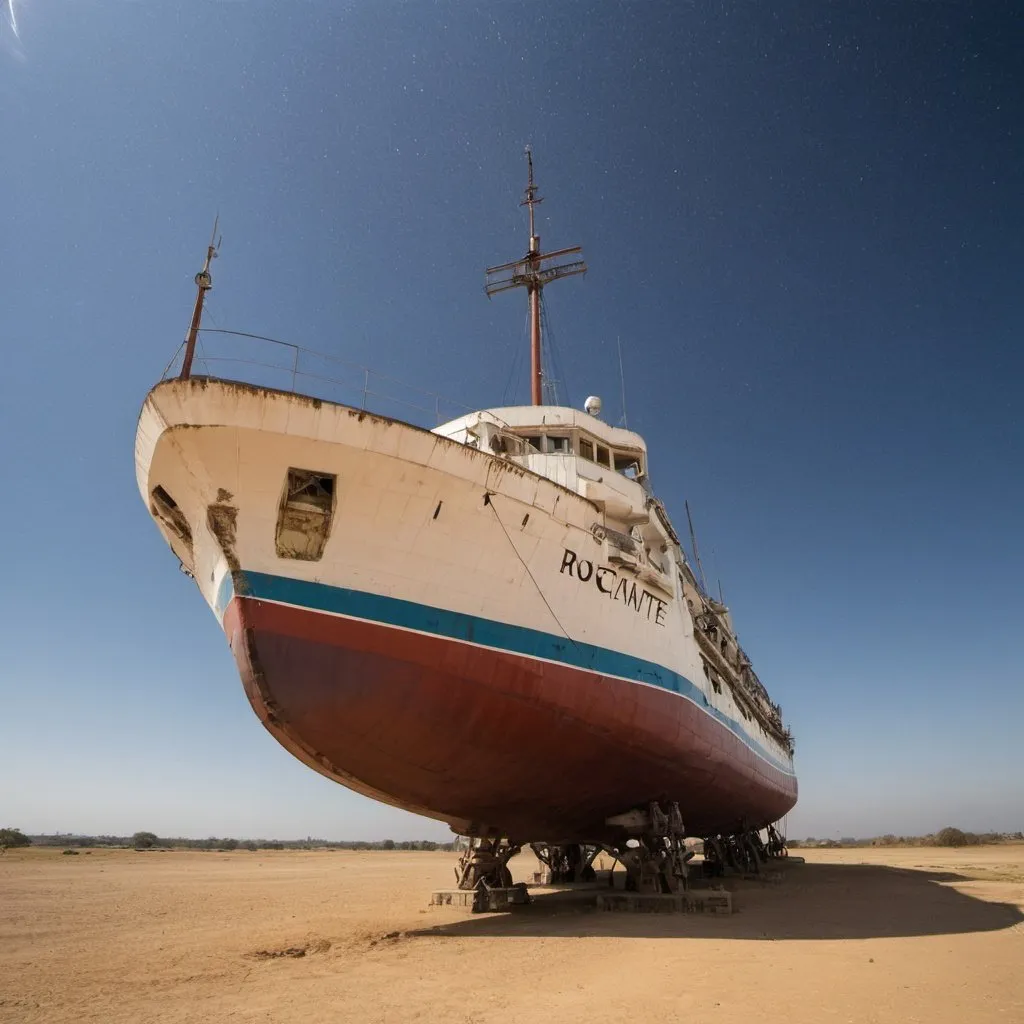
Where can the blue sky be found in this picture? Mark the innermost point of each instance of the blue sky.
(804, 224)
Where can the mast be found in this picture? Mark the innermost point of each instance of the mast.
(622, 381)
(204, 282)
(532, 272)
(533, 286)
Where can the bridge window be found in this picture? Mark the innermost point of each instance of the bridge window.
(558, 445)
(603, 458)
(587, 448)
(627, 465)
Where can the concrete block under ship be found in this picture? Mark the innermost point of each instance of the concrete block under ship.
(491, 623)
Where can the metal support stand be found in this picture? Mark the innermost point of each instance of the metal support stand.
(655, 855)
(483, 880)
(573, 863)
(776, 844)
(486, 860)
(742, 852)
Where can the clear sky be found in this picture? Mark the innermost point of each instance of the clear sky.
(804, 223)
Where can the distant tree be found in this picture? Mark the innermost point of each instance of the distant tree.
(13, 837)
(228, 844)
(250, 845)
(950, 836)
(145, 840)
(388, 844)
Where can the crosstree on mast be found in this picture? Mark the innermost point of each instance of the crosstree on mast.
(533, 272)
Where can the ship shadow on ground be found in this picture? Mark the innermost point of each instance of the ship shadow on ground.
(811, 901)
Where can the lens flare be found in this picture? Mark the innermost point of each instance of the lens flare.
(12, 17)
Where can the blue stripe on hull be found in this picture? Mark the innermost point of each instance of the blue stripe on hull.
(484, 632)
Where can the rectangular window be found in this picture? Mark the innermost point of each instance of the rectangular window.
(536, 441)
(304, 518)
(587, 449)
(628, 465)
(603, 458)
(558, 444)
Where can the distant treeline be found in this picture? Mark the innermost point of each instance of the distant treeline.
(12, 837)
(151, 841)
(948, 836)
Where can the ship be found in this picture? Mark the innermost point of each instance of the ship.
(491, 622)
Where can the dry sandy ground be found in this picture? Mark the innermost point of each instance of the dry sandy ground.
(853, 935)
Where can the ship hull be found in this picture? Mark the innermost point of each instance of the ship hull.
(464, 646)
(487, 739)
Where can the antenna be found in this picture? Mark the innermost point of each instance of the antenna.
(204, 282)
(622, 380)
(696, 553)
(532, 272)
(714, 564)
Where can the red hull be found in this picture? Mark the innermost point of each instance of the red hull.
(489, 738)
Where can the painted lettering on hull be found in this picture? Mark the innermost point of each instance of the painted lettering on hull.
(615, 587)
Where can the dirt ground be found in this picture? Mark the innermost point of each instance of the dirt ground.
(864, 935)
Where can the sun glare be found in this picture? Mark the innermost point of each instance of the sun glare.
(12, 17)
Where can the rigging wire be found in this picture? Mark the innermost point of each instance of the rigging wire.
(174, 359)
(210, 313)
(553, 350)
(489, 500)
(514, 370)
(513, 367)
(622, 381)
(549, 378)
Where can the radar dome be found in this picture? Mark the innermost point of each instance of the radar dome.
(593, 405)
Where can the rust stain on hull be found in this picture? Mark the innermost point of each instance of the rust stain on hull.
(222, 521)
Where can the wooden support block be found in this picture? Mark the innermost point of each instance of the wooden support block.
(693, 901)
(452, 898)
(495, 900)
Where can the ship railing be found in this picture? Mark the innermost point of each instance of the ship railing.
(284, 366)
